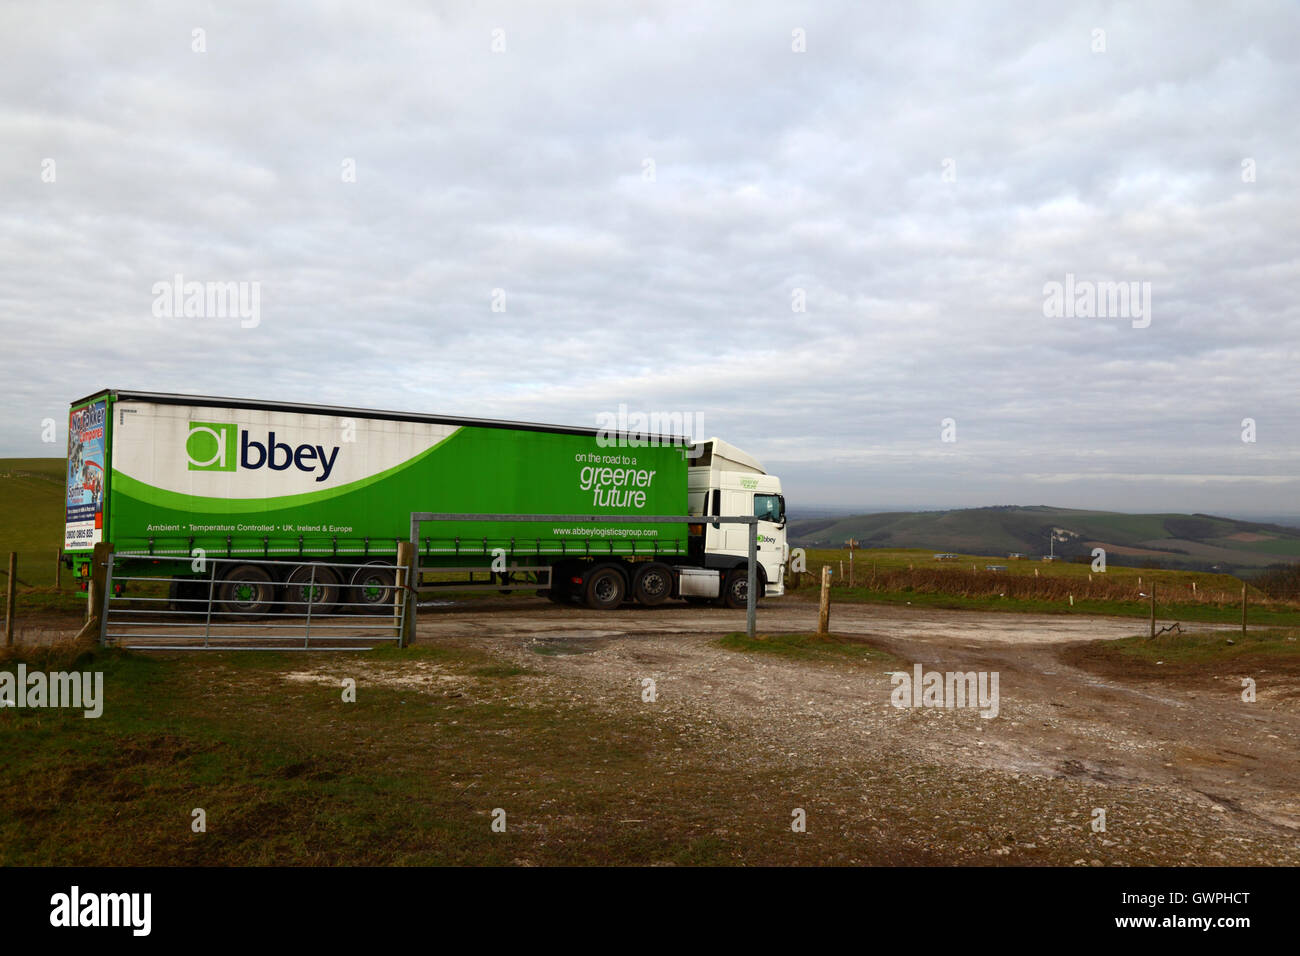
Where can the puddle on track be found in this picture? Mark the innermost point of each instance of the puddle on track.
(575, 642)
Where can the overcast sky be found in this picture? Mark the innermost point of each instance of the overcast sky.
(654, 187)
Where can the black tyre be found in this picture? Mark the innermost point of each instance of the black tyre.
(735, 587)
(246, 592)
(322, 595)
(604, 588)
(371, 588)
(653, 583)
(186, 595)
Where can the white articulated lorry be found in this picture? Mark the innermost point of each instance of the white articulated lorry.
(291, 486)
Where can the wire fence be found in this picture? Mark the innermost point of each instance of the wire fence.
(37, 569)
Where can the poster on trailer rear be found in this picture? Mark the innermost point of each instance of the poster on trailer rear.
(84, 526)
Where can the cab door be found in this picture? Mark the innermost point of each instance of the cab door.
(770, 510)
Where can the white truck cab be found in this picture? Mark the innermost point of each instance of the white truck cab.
(723, 480)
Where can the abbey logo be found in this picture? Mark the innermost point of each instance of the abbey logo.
(210, 446)
(221, 446)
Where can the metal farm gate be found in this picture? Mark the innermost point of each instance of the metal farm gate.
(313, 609)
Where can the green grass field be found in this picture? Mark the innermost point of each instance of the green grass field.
(893, 559)
(913, 576)
(288, 773)
(31, 516)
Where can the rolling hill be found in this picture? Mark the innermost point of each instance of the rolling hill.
(1173, 540)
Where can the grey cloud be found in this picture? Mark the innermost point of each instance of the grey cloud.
(820, 171)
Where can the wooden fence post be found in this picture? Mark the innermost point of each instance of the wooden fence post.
(10, 594)
(1153, 609)
(824, 610)
(99, 559)
(1243, 608)
(90, 631)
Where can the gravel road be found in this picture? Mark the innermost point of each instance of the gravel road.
(1186, 771)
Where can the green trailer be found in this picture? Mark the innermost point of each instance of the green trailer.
(168, 478)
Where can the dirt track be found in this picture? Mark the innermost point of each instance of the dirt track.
(1187, 772)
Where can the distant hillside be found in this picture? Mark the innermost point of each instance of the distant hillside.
(1175, 540)
(31, 505)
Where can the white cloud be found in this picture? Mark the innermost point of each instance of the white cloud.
(774, 171)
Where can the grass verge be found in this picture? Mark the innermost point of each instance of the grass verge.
(1199, 612)
(411, 773)
(1209, 660)
(808, 647)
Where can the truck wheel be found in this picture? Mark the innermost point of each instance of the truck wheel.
(299, 591)
(605, 588)
(246, 592)
(371, 586)
(735, 589)
(653, 583)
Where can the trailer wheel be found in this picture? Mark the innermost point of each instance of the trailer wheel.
(323, 598)
(653, 583)
(371, 586)
(605, 588)
(246, 592)
(735, 589)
